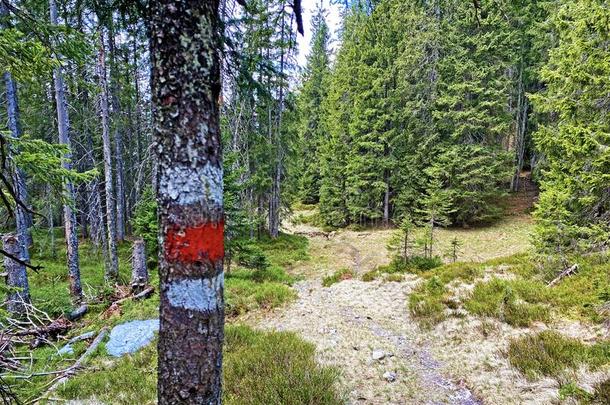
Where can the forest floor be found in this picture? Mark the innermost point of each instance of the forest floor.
(352, 323)
(345, 327)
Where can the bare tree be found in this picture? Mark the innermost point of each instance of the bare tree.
(16, 276)
(112, 267)
(63, 124)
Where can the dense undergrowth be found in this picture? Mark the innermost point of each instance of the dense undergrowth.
(259, 367)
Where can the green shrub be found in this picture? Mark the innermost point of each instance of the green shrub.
(549, 353)
(338, 276)
(270, 274)
(274, 368)
(244, 295)
(467, 272)
(250, 255)
(426, 303)
(371, 275)
(517, 303)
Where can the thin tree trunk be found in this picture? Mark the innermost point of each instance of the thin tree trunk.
(112, 268)
(23, 218)
(16, 276)
(63, 123)
(118, 142)
(386, 199)
(185, 43)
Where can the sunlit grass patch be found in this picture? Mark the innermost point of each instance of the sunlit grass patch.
(338, 276)
(549, 353)
(244, 295)
(426, 303)
(518, 303)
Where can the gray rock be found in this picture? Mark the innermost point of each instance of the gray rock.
(131, 336)
(378, 354)
(389, 376)
(67, 349)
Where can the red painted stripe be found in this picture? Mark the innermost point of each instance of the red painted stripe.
(194, 244)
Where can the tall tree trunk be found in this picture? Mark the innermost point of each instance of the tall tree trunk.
(63, 124)
(23, 218)
(118, 140)
(520, 128)
(185, 47)
(112, 268)
(16, 276)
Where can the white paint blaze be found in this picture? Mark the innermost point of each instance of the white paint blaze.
(188, 185)
(197, 295)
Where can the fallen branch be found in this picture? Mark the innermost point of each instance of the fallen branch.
(314, 234)
(78, 313)
(144, 294)
(70, 371)
(566, 273)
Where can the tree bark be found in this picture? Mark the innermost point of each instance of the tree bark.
(16, 276)
(63, 124)
(118, 142)
(112, 268)
(185, 46)
(23, 218)
(139, 272)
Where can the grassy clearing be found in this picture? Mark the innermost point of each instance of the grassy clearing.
(527, 298)
(338, 276)
(549, 353)
(259, 368)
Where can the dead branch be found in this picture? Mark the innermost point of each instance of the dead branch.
(566, 273)
(71, 371)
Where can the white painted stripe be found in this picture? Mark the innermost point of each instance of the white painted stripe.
(187, 185)
(197, 295)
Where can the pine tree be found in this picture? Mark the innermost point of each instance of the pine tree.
(313, 93)
(573, 211)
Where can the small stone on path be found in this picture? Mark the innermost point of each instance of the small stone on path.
(378, 354)
(389, 376)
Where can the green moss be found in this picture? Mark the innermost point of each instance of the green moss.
(338, 276)
(396, 277)
(572, 390)
(549, 353)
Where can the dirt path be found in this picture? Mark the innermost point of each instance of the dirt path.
(353, 323)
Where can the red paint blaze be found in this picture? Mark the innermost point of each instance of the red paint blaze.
(195, 244)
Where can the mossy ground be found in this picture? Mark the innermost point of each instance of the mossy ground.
(259, 367)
